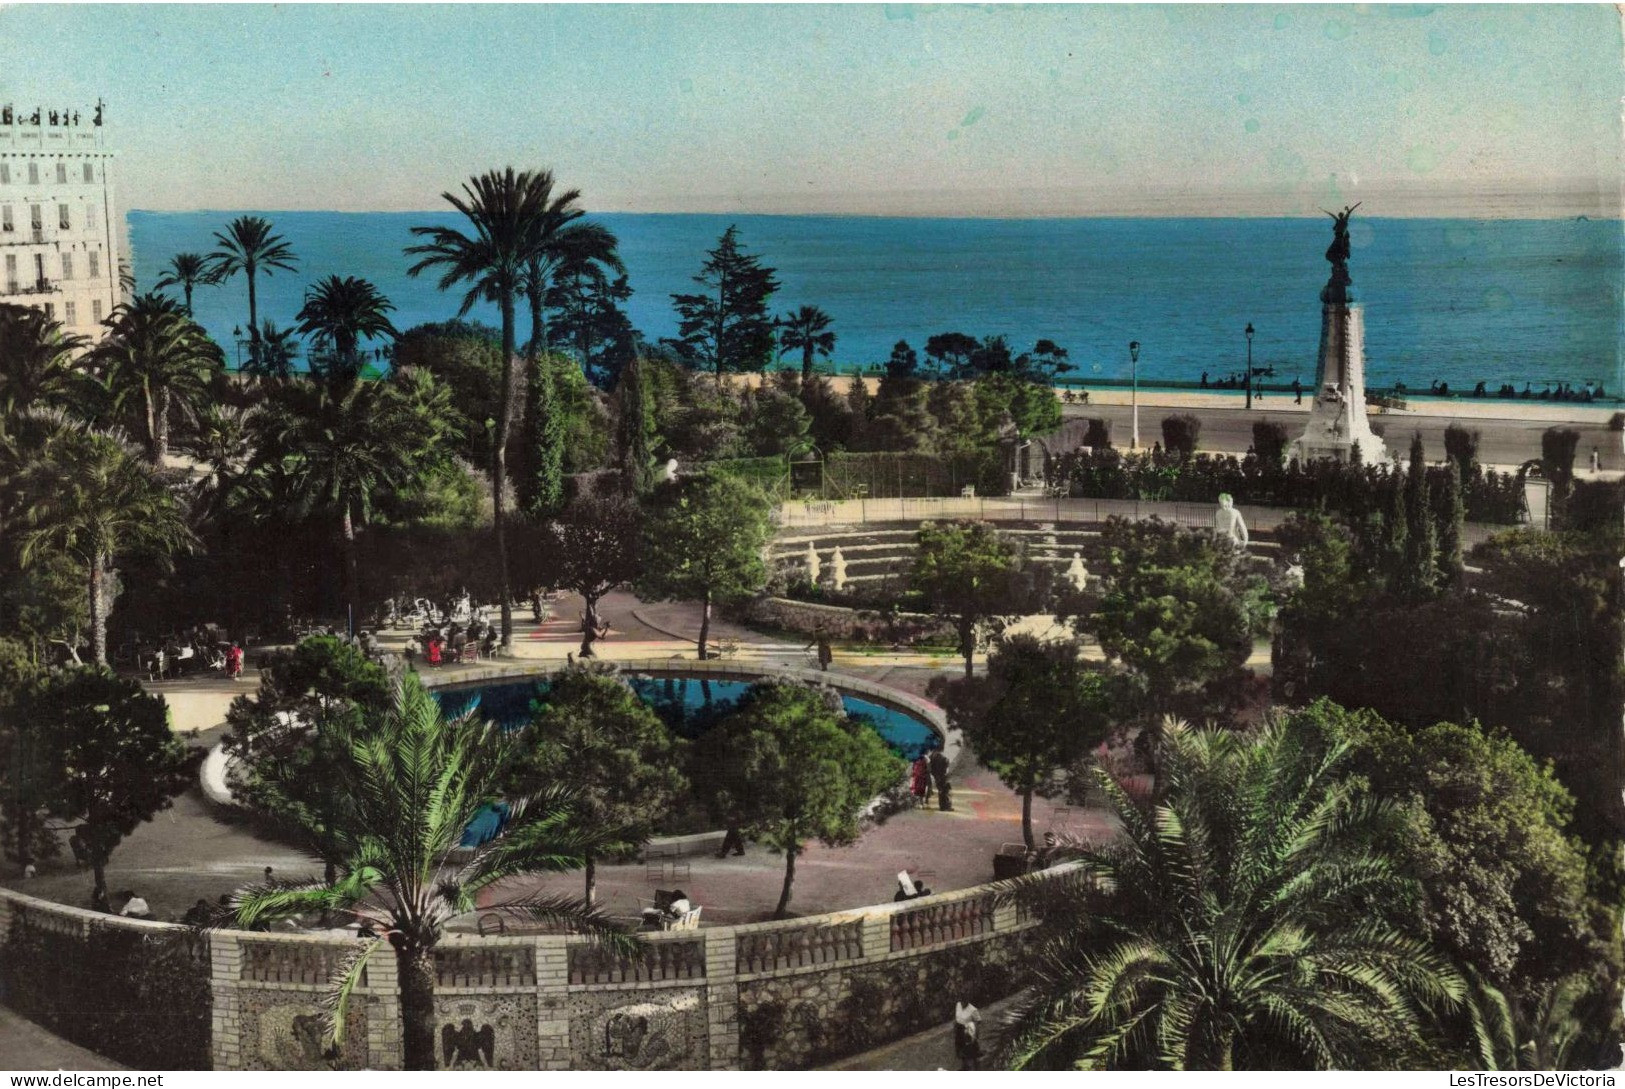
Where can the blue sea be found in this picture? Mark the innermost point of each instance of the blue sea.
(1455, 300)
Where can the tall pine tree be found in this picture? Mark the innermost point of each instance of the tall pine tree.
(727, 325)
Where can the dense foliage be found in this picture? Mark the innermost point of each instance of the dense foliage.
(1354, 489)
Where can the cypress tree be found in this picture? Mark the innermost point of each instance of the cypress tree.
(1395, 534)
(1452, 519)
(1420, 571)
(634, 428)
(860, 404)
(541, 485)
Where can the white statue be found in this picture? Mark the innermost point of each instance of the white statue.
(837, 564)
(1077, 574)
(813, 566)
(1227, 521)
(668, 472)
(1294, 575)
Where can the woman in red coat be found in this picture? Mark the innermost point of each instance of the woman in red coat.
(919, 784)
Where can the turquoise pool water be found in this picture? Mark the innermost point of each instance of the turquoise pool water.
(688, 704)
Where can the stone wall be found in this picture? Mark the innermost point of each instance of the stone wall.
(809, 618)
(134, 991)
(769, 995)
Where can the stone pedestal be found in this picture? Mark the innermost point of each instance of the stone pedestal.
(1338, 424)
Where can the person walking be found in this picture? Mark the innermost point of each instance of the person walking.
(234, 661)
(967, 1035)
(826, 655)
(1596, 460)
(919, 782)
(939, 775)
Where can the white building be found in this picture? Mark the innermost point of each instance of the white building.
(61, 236)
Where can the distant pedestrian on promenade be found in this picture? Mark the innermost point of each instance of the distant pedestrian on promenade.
(1596, 459)
(1297, 392)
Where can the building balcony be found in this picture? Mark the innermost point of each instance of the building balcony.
(33, 287)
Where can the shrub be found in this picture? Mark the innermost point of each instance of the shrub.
(1269, 441)
(1616, 422)
(1099, 435)
(1179, 434)
(1462, 446)
(1557, 448)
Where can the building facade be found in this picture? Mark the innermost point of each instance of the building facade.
(61, 235)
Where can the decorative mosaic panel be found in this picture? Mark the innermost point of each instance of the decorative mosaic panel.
(485, 1032)
(639, 1030)
(284, 1030)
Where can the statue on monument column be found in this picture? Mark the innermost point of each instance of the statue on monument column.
(1338, 252)
(1227, 521)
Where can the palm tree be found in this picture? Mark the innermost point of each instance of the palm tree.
(340, 312)
(248, 246)
(510, 213)
(568, 248)
(276, 354)
(36, 360)
(337, 448)
(807, 329)
(419, 781)
(155, 351)
(186, 271)
(1245, 922)
(88, 497)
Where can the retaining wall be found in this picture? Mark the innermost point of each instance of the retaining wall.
(767, 995)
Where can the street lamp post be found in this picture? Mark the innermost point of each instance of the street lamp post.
(1249, 332)
(237, 336)
(1134, 397)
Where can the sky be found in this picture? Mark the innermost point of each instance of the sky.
(860, 109)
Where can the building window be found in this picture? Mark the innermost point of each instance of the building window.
(5, 173)
(33, 173)
(90, 217)
(90, 171)
(50, 312)
(70, 313)
(67, 266)
(61, 172)
(39, 271)
(6, 222)
(96, 310)
(95, 265)
(62, 219)
(11, 274)
(36, 221)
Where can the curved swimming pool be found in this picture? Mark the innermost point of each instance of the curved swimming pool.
(688, 704)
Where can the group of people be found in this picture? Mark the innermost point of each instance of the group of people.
(1562, 391)
(928, 775)
(196, 652)
(456, 642)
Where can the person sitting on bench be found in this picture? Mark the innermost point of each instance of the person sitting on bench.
(908, 888)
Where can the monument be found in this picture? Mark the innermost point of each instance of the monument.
(812, 564)
(1338, 427)
(837, 563)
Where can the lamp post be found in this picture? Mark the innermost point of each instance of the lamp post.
(1134, 396)
(237, 336)
(1249, 332)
